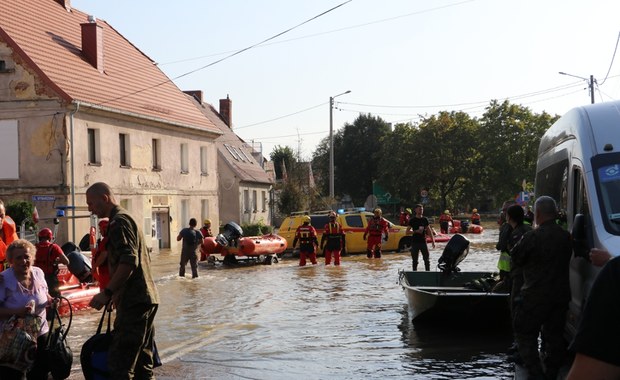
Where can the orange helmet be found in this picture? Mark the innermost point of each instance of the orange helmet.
(46, 233)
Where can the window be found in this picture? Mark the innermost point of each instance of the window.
(204, 210)
(156, 146)
(94, 155)
(184, 159)
(126, 204)
(204, 151)
(354, 221)
(264, 196)
(9, 150)
(184, 213)
(246, 200)
(246, 155)
(254, 201)
(123, 144)
(232, 152)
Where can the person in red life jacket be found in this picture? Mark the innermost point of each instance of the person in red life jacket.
(101, 271)
(7, 235)
(205, 230)
(475, 217)
(47, 257)
(376, 231)
(444, 222)
(306, 235)
(334, 235)
(419, 226)
(404, 217)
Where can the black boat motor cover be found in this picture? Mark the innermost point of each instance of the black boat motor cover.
(78, 263)
(232, 231)
(455, 251)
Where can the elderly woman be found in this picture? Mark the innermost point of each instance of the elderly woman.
(22, 286)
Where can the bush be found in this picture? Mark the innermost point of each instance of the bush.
(20, 211)
(256, 229)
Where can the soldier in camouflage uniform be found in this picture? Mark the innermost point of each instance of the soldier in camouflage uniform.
(542, 256)
(131, 289)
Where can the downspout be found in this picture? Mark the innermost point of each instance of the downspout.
(72, 171)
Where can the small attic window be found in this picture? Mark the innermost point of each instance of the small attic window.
(3, 68)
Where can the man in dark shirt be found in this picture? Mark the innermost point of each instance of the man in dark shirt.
(192, 239)
(542, 257)
(131, 289)
(420, 228)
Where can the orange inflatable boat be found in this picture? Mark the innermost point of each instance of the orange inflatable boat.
(247, 246)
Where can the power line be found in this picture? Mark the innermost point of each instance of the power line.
(612, 60)
(283, 116)
(228, 56)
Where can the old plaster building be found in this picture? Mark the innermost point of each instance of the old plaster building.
(244, 184)
(81, 104)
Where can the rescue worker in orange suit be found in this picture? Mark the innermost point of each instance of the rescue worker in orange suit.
(7, 235)
(475, 217)
(306, 235)
(205, 230)
(377, 228)
(334, 235)
(404, 217)
(444, 222)
(101, 271)
(47, 257)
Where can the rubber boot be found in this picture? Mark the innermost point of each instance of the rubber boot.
(369, 254)
(427, 266)
(377, 253)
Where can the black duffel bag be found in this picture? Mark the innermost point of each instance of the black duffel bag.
(58, 353)
(94, 354)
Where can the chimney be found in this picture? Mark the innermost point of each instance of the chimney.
(92, 43)
(65, 3)
(226, 111)
(197, 94)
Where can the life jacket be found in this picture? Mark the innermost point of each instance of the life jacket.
(306, 234)
(10, 235)
(43, 258)
(333, 230)
(376, 226)
(503, 263)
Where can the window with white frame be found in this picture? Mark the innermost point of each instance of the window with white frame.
(204, 209)
(94, 151)
(9, 149)
(246, 200)
(156, 147)
(184, 213)
(184, 158)
(124, 150)
(204, 160)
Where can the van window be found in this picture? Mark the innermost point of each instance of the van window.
(553, 182)
(319, 221)
(354, 221)
(606, 169)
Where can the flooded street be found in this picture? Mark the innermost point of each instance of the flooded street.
(316, 322)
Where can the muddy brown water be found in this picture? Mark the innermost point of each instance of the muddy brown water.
(316, 322)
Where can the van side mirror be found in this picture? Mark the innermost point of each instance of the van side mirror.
(581, 247)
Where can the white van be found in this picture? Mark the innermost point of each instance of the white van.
(579, 166)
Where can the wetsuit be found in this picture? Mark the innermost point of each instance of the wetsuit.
(335, 242)
(306, 235)
(376, 230)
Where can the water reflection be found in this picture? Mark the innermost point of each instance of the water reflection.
(316, 322)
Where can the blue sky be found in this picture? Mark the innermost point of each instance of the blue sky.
(399, 58)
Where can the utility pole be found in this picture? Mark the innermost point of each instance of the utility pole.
(590, 83)
(331, 144)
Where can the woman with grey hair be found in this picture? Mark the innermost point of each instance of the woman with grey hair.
(23, 292)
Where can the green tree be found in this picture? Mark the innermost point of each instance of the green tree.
(508, 140)
(356, 153)
(290, 199)
(281, 155)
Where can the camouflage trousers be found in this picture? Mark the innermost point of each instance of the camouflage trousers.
(131, 352)
(545, 318)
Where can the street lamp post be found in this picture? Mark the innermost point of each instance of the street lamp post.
(331, 143)
(590, 83)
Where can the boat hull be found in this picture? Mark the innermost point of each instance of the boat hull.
(435, 296)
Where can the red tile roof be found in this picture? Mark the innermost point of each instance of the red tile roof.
(48, 38)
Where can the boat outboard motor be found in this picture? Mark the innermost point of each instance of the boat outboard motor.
(464, 226)
(456, 250)
(232, 232)
(78, 263)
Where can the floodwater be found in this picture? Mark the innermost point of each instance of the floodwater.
(315, 322)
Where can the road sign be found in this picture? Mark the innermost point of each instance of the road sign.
(43, 198)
